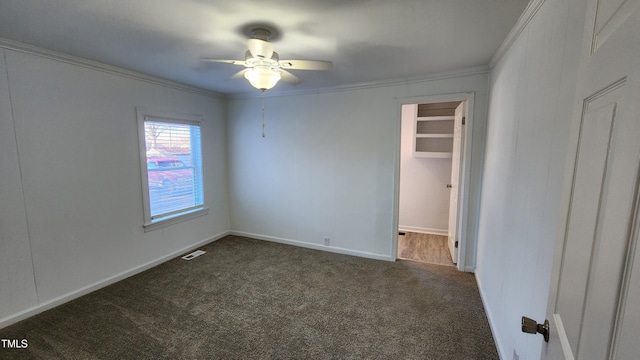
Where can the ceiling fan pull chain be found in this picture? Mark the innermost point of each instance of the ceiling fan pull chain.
(262, 113)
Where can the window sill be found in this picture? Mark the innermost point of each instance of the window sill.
(160, 223)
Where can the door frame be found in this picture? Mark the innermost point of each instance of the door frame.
(465, 170)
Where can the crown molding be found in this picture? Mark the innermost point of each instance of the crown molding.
(528, 14)
(115, 70)
(477, 70)
(98, 66)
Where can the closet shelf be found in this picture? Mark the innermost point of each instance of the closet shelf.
(433, 136)
(433, 154)
(435, 118)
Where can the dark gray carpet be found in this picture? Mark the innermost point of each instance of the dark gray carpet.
(251, 299)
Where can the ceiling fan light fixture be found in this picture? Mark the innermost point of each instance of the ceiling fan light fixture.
(262, 77)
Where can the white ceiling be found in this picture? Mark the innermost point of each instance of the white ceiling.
(367, 40)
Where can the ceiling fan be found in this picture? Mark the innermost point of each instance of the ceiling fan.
(263, 65)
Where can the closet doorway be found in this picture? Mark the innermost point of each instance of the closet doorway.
(431, 180)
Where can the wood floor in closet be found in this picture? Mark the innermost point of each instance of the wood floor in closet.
(427, 248)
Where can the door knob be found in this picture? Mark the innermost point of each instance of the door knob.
(449, 186)
(530, 326)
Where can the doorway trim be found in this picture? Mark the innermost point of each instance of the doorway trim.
(465, 170)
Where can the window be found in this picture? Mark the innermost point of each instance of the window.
(171, 160)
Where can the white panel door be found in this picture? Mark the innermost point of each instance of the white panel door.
(594, 304)
(455, 177)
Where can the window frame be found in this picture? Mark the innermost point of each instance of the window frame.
(176, 118)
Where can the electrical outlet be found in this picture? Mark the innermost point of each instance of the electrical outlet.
(327, 241)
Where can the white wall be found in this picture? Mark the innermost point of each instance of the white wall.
(424, 197)
(17, 286)
(531, 101)
(70, 188)
(328, 162)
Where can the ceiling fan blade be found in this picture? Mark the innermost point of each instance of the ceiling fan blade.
(289, 77)
(260, 48)
(306, 64)
(225, 61)
(239, 74)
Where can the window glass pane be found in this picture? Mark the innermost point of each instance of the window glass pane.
(174, 167)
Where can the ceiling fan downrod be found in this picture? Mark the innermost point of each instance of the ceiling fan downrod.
(261, 34)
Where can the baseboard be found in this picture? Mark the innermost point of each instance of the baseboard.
(50, 304)
(490, 317)
(422, 230)
(332, 249)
